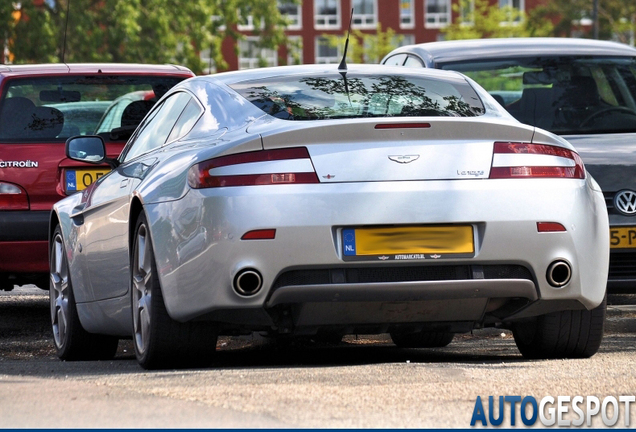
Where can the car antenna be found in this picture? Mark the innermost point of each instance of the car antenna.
(68, 11)
(342, 68)
(343, 64)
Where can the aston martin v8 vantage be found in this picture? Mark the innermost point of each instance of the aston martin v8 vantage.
(305, 200)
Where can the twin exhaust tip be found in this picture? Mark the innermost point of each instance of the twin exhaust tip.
(248, 282)
(559, 274)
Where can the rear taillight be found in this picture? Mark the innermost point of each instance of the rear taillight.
(13, 197)
(267, 167)
(523, 160)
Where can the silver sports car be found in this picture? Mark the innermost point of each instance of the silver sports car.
(312, 201)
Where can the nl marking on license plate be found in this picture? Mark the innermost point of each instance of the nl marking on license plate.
(408, 243)
(77, 180)
(623, 237)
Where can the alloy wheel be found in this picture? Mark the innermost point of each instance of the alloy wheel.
(142, 292)
(59, 292)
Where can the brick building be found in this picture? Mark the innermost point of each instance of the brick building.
(416, 20)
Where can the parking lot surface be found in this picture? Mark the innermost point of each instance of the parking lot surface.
(364, 382)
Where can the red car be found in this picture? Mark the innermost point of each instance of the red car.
(41, 106)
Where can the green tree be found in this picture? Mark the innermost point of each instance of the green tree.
(161, 31)
(34, 35)
(616, 18)
(135, 31)
(479, 19)
(367, 47)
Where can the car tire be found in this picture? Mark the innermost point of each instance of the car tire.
(71, 341)
(565, 334)
(161, 342)
(423, 339)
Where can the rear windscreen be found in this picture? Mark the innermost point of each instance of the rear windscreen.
(56, 108)
(356, 96)
(566, 95)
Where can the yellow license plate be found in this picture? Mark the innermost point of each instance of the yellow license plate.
(408, 243)
(77, 180)
(623, 237)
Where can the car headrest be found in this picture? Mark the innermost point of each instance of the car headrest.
(135, 112)
(15, 117)
(47, 123)
(580, 92)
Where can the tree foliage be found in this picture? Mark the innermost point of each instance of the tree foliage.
(367, 47)
(135, 31)
(479, 19)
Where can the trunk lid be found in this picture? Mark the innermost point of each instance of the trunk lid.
(397, 150)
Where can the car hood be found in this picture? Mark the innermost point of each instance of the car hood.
(610, 158)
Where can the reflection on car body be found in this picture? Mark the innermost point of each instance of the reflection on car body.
(583, 90)
(304, 201)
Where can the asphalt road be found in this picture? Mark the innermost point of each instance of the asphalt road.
(364, 382)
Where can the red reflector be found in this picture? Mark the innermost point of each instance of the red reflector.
(13, 197)
(265, 234)
(550, 227)
(254, 180)
(521, 172)
(403, 126)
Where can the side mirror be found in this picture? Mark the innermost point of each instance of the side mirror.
(90, 149)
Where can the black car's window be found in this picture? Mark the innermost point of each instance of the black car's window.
(154, 132)
(565, 95)
(333, 96)
(396, 60)
(413, 62)
(52, 109)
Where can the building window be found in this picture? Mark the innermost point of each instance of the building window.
(327, 14)
(407, 14)
(294, 50)
(292, 12)
(438, 13)
(364, 13)
(325, 53)
(206, 58)
(245, 23)
(514, 15)
(467, 12)
(407, 39)
(252, 56)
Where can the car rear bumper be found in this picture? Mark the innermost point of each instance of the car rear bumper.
(24, 242)
(199, 252)
(21, 226)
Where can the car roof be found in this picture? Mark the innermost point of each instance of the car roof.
(458, 50)
(321, 69)
(92, 68)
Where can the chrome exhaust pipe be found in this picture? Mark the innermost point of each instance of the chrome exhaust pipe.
(559, 274)
(248, 282)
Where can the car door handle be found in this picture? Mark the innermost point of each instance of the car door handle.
(77, 215)
(123, 183)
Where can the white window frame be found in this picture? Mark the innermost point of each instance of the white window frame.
(438, 19)
(321, 22)
(464, 17)
(297, 22)
(270, 55)
(521, 8)
(367, 21)
(410, 15)
(250, 24)
(329, 59)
